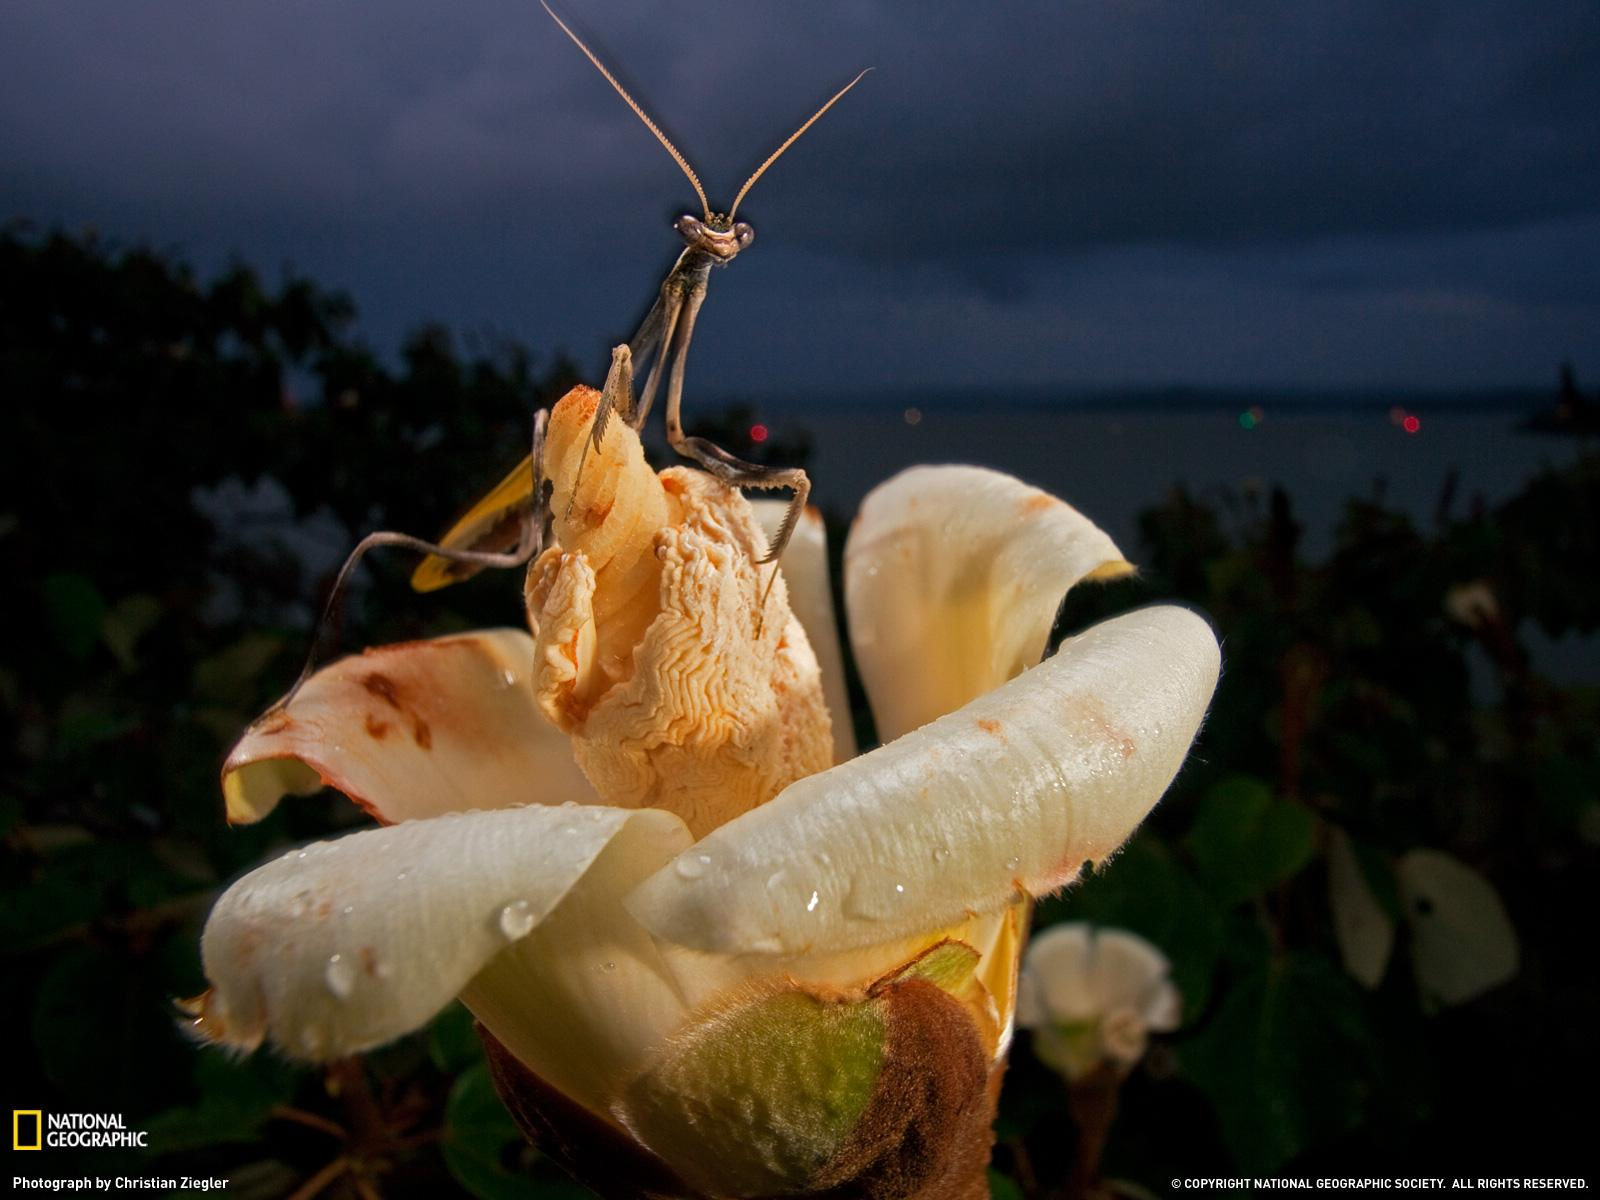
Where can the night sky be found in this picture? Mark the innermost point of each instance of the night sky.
(1363, 193)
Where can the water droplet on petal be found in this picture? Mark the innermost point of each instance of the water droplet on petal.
(340, 976)
(401, 874)
(811, 904)
(692, 866)
(348, 909)
(516, 920)
(1013, 863)
(775, 880)
(941, 854)
(509, 677)
(610, 966)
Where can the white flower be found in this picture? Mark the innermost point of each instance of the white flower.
(1093, 997)
(782, 1002)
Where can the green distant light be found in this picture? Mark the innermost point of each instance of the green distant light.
(1247, 420)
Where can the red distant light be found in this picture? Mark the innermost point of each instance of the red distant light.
(758, 433)
(1412, 423)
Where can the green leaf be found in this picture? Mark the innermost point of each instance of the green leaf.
(1245, 842)
(104, 1030)
(236, 1097)
(482, 1145)
(1285, 1061)
(76, 611)
(128, 621)
(229, 677)
(69, 889)
(1379, 876)
(452, 1043)
(1003, 1187)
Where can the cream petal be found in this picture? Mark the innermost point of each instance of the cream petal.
(408, 731)
(1126, 968)
(1162, 1007)
(1124, 1036)
(1030, 1003)
(584, 996)
(953, 576)
(1057, 968)
(344, 945)
(805, 570)
(1012, 793)
(704, 978)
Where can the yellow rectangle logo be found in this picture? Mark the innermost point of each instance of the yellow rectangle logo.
(19, 1123)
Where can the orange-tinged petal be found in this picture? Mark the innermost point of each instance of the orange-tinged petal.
(411, 730)
(953, 576)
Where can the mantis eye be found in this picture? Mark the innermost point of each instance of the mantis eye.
(745, 233)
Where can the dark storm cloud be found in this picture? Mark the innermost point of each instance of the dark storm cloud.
(1230, 123)
(1008, 174)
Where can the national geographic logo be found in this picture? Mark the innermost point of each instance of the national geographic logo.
(23, 1120)
(33, 1129)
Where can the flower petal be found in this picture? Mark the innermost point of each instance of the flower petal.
(953, 576)
(1012, 793)
(1057, 974)
(1126, 971)
(805, 570)
(411, 730)
(347, 944)
(584, 996)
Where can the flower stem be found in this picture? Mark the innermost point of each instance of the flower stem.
(1092, 1101)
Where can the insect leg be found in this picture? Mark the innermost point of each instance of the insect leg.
(617, 395)
(652, 338)
(726, 467)
(529, 543)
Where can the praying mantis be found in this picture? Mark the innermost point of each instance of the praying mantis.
(505, 529)
(712, 239)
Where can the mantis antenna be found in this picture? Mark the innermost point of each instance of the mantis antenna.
(683, 163)
(791, 140)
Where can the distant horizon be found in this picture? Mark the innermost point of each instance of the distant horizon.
(1510, 396)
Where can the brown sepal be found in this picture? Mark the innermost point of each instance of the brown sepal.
(925, 1133)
